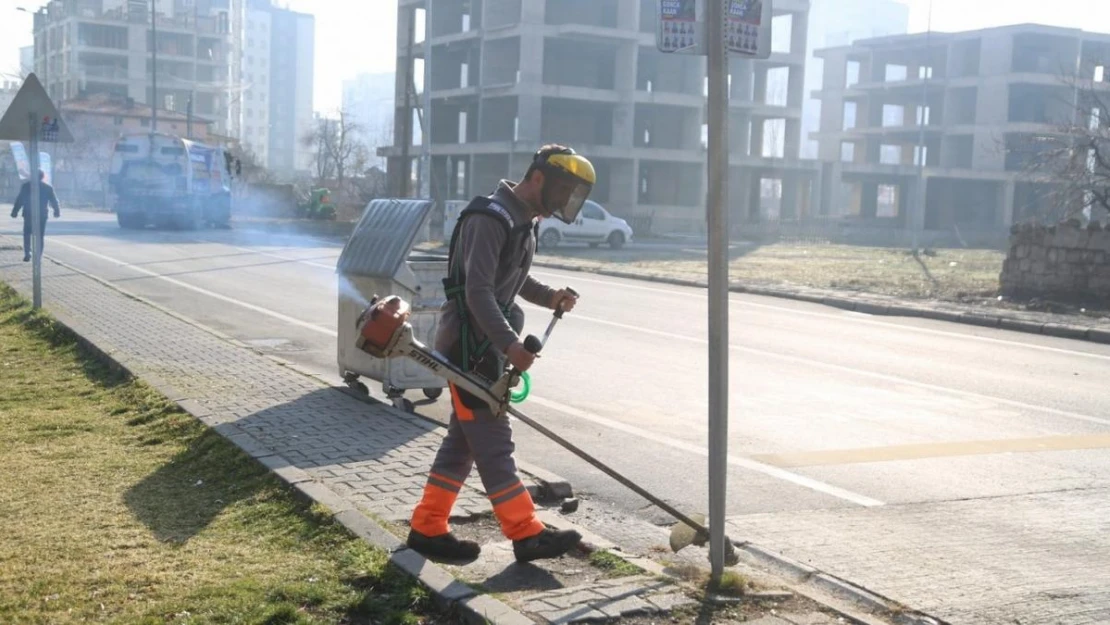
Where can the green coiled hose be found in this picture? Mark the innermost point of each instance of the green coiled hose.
(518, 397)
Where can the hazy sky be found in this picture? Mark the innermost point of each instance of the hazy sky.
(354, 36)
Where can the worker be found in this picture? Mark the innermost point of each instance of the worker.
(488, 267)
(23, 201)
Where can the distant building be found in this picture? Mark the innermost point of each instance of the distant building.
(834, 23)
(272, 69)
(982, 96)
(27, 59)
(368, 100)
(113, 116)
(8, 89)
(89, 47)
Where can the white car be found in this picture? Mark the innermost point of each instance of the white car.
(594, 226)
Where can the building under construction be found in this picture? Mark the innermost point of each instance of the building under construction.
(977, 100)
(509, 75)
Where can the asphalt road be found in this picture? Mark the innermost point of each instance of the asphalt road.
(835, 417)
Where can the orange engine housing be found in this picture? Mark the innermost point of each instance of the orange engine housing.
(381, 321)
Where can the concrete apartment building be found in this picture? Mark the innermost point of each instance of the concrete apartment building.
(272, 82)
(982, 94)
(510, 75)
(85, 47)
(835, 23)
(291, 82)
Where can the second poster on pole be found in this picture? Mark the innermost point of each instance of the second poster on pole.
(682, 26)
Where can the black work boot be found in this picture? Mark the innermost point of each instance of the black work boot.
(445, 547)
(547, 544)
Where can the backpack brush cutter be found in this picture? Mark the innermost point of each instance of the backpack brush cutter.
(385, 332)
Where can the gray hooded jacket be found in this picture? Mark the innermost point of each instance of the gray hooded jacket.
(489, 283)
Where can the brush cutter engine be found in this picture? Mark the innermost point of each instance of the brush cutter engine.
(384, 331)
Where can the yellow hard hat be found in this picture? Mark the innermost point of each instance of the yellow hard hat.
(569, 179)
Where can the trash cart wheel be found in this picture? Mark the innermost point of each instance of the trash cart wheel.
(433, 393)
(402, 403)
(360, 387)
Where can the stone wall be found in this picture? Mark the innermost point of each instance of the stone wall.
(1066, 261)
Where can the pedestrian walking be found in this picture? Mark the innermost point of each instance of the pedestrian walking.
(23, 202)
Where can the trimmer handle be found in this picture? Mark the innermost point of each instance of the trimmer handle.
(533, 344)
(559, 311)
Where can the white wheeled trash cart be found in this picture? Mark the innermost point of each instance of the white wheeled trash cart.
(378, 260)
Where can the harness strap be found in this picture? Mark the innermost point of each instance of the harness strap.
(455, 284)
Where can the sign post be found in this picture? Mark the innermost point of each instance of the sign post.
(716, 28)
(33, 117)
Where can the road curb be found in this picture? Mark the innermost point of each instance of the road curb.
(870, 601)
(450, 593)
(896, 309)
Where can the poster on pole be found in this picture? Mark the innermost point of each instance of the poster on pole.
(47, 167)
(682, 27)
(748, 31)
(22, 163)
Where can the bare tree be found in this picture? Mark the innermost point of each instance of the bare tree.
(338, 148)
(348, 153)
(1073, 158)
(319, 140)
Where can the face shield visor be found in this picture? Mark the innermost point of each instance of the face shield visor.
(568, 181)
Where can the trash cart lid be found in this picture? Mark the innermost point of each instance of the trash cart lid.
(383, 238)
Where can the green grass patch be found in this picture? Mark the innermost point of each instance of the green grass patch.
(732, 583)
(613, 565)
(118, 507)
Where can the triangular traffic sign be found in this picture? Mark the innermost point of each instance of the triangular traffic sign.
(32, 99)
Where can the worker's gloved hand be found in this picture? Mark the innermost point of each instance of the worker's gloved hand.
(565, 299)
(520, 357)
(57, 214)
(15, 214)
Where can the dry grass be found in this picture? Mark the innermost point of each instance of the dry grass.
(944, 274)
(119, 508)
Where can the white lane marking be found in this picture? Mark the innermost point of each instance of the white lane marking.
(570, 411)
(809, 362)
(866, 319)
(270, 254)
(735, 461)
(197, 289)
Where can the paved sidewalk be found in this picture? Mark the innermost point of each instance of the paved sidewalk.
(357, 458)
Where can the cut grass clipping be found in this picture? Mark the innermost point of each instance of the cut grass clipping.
(119, 508)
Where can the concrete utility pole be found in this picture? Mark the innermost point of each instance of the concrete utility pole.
(426, 116)
(153, 73)
(918, 215)
(701, 26)
(717, 211)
